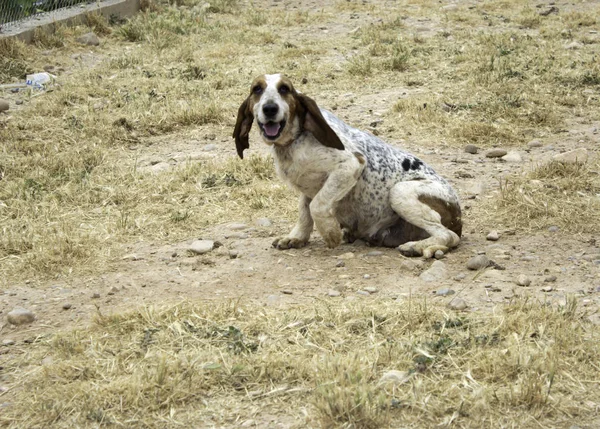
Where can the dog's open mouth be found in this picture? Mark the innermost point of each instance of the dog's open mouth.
(272, 130)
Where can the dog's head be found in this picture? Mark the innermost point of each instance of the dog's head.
(281, 113)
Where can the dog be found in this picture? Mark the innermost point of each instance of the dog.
(352, 184)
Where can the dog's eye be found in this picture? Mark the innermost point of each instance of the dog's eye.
(257, 89)
(284, 89)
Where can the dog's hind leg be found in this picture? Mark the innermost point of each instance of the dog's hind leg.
(432, 206)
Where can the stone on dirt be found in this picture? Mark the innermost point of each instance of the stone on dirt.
(89, 39)
(523, 280)
(471, 148)
(495, 153)
(512, 157)
(238, 226)
(534, 143)
(445, 292)
(333, 292)
(374, 253)
(394, 377)
(458, 304)
(264, 222)
(4, 105)
(370, 289)
(201, 247)
(66, 306)
(577, 156)
(20, 316)
(478, 262)
(436, 272)
(493, 236)
(438, 254)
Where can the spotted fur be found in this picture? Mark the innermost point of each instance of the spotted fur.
(352, 181)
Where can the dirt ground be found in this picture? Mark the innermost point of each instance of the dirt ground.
(247, 268)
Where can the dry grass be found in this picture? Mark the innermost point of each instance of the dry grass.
(552, 194)
(71, 190)
(201, 365)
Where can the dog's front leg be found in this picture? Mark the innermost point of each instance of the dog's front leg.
(299, 236)
(339, 182)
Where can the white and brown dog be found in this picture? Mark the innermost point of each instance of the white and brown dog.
(349, 180)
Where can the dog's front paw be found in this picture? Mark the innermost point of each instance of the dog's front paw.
(289, 243)
(421, 248)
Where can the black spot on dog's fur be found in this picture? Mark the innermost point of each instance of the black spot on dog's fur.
(406, 164)
(416, 164)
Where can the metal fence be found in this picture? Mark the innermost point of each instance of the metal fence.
(13, 11)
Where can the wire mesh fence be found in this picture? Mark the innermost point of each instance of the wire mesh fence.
(13, 11)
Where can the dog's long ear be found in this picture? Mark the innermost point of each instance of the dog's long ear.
(316, 123)
(243, 124)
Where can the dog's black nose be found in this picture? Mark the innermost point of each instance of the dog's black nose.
(270, 110)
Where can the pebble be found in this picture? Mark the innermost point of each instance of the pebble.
(131, 257)
(367, 276)
(20, 316)
(438, 254)
(478, 262)
(523, 280)
(371, 289)
(66, 306)
(529, 258)
(362, 292)
(287, 292)
(340, 264)
(18, 102)
(209, 147)
(89, 39)
(460, 277)
(493, 236)
(96, 295)
(395, 377)
(4, 106)
(264, 222)
(457, 304)
(374, 253)
(534, 143)
(233, 254)
(547, 289)
(512, 157)
(445, 292)
(495, 153)
(550, 279)
(237, 226)
(573, 45)
(471, 148)
(436, 272)
(577, 156)
(113, 290)
(553, 229)
(8, 342)
(201, 247)
(333, 292)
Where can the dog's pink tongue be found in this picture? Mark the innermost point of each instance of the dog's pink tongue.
(271, 129)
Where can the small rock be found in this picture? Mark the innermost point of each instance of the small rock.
(395, 377)
(264, 222)
(362, 292)
(471, 148)
(131, 257)
(4, 106)
(272, 299)
(287, 292)
(550, 279)
(374, 253)
(333, 292)
(573, 46)
(577, 156)
(96, 295)
(553, 229)
(495, 153)
(367, 276)
(444, 292)
(457, 304)
(460, 277)
(237, 235)
(113, 290)
(18, 102)
(478, 262)
(523, 280)
(439, 254)
(20, 316)
(371, 289)
(89, 39)
(435, 273)
(201, 247)
(209, 147)
(512, 157)
(492, 236)
(8, 342)
(233, 254)
(238, 226)
(534, 143)
(548, 11)
(547, 289)
(340, 264)
(66, 306)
